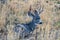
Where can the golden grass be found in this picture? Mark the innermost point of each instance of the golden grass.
(19, 7)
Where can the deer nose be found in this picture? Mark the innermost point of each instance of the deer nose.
(40, 22)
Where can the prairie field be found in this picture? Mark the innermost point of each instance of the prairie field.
(12, 10)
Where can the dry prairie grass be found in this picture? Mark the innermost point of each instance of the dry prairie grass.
(20, 7)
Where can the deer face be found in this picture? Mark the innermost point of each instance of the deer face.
(36, 17)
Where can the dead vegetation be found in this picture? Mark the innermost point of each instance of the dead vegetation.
(14, 9)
